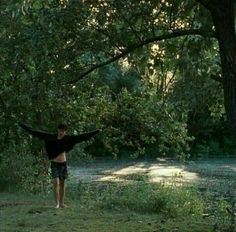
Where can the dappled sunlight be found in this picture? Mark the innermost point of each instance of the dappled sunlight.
(155, 171)
(118, 175)
(158, 173)
(233, 169)
(132, 169)
(110, 178)
(150, 171)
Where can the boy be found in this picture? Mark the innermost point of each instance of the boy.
(59, 170)
(56, 146)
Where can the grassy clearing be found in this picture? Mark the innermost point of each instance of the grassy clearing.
(110, 207)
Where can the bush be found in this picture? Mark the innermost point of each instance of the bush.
(214, 148)
(140, 122)
(23, 171)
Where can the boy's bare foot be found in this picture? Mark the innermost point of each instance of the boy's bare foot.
(63, 206)
(57, 206)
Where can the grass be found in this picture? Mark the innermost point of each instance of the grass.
(109, 207)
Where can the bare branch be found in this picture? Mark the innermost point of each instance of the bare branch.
(171, 35)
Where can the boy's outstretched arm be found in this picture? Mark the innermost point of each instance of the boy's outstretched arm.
(83, 137)
(37, 133)
(71, 140)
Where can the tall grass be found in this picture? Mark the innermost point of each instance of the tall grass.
(141, 196)
(149, 198)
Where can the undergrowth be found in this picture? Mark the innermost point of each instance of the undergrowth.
(136, 205)
(166, 198)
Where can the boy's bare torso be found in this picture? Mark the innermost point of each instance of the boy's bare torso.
(60, 158)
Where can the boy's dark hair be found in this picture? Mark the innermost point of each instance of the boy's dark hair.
(62, 126)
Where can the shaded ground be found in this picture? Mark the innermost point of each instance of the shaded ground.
(37, 215)
(216, 175)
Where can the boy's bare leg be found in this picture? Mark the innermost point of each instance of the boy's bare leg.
(62, 193)
(57, 191)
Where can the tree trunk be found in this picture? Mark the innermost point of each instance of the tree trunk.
(223, 19)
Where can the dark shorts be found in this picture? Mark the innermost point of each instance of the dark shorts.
(59, 170)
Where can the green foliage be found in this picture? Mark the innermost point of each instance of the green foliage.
(143, 120)
(213, 148)
(221, 213)
(159, 97)
(23, 171)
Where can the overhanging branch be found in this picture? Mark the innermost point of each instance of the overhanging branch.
(170, 35)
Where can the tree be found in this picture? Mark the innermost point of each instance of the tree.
(51, 46)
(223, 16)
(182, 19)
